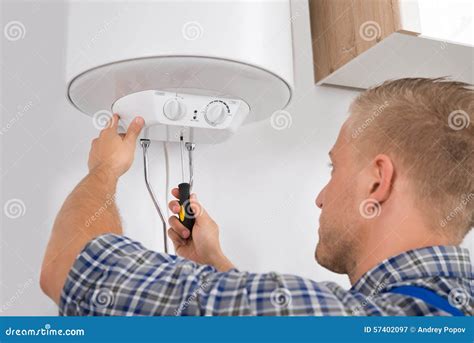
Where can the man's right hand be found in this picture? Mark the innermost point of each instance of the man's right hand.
(204, 246)
(112, 151)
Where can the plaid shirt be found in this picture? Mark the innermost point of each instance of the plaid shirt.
(115, 275)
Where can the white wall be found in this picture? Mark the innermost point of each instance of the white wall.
(450, 20)
(260, 186)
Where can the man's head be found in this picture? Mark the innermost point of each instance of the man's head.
(403, 173)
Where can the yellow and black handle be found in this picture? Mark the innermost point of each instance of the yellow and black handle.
(186, 215)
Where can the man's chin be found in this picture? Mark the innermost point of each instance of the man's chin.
(327, 259)
(319, 254)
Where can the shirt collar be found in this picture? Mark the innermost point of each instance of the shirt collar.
(444, 261)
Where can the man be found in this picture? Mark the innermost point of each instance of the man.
(397, 206)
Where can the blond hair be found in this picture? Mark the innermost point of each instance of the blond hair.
(425, 125)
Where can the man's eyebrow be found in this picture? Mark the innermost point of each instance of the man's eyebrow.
(330, 153)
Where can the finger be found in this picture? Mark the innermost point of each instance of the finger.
(177, 240)
(174, 206)
(178, 227)
(112, 123)
(175, 193)
(134, 130)
(183, 239)
(111, 126)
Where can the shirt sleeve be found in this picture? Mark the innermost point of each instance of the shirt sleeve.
(114, 275)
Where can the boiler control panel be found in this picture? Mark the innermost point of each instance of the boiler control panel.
(198, 116)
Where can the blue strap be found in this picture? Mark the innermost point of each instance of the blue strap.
(429, 297)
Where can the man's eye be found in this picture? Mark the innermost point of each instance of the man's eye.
(330, 165)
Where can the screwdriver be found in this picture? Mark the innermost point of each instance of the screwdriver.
(186, 215)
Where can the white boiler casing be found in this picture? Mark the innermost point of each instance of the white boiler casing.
(192, 68)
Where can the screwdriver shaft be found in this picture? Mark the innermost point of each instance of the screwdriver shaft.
(181, 145)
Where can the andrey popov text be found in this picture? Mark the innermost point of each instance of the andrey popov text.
(415, 329)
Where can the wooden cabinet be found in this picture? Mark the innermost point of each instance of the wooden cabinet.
(359, 43)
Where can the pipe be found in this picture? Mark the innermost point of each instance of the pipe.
(145, 143)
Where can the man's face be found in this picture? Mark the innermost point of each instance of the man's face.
(339, 219)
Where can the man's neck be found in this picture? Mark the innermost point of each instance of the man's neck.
(395, 242)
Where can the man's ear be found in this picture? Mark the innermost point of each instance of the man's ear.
(382, 176)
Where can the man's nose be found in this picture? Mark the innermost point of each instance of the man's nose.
(319, 199)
